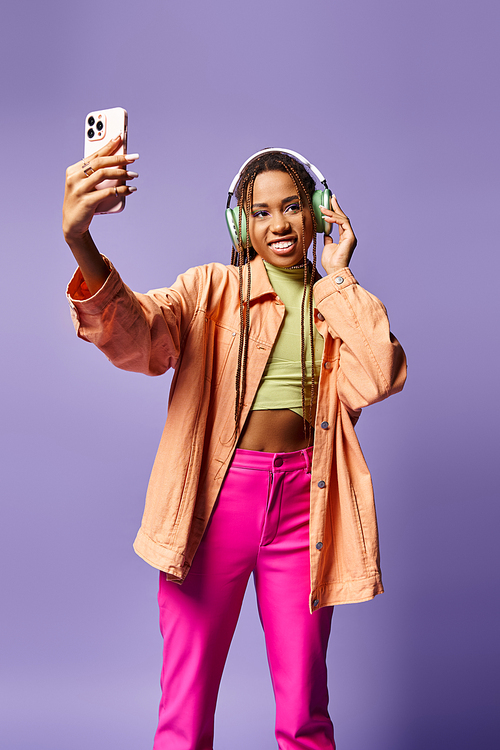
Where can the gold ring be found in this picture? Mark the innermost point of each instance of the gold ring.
(87, 169)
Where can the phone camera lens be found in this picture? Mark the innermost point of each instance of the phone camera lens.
(99, 125)
(90, 133)
(91, 121)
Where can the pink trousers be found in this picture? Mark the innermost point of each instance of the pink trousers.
(260, 525)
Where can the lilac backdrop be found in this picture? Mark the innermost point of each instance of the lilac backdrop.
(397, 104)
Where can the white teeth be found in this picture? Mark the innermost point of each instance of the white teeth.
(282, 245)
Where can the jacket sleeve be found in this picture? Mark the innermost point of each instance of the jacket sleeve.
(137, 332)
(371, 361)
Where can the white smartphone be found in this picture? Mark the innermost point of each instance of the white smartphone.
(101, 127)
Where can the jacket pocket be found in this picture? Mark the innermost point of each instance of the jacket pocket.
(223, 341)
(357, 516)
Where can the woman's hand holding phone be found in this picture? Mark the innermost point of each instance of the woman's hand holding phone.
(81, 200)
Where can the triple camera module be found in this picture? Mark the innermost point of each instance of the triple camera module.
(98, 124)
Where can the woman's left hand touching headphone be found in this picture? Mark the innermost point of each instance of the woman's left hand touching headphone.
(337, 255)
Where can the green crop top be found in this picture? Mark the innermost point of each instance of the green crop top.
(281, 384)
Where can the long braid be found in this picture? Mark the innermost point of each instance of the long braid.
(240, 345)
(309, 418)
(311, 306)
(249, 194)
(244, 305)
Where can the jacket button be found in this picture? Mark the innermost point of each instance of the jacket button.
(325, 425)
(320, 316)
(315, 602)
(322, 485)
(328, 365)
(339, 280)
(319, 545)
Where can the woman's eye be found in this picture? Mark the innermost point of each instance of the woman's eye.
(259, 214)
(293, 208)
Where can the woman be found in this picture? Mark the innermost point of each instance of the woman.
(259, 468)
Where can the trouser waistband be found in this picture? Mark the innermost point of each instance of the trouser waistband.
(292, 461)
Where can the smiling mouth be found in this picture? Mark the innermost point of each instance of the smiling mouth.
(282, 245)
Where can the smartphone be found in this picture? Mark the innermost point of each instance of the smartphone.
(101, 127)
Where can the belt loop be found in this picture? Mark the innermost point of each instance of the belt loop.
(305, 452)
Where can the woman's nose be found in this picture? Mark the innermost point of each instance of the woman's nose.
(279, 223)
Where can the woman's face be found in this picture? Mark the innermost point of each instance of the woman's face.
(276, 221)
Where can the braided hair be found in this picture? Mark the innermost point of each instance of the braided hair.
(305, 186)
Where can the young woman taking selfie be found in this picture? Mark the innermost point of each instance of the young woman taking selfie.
(259, 469)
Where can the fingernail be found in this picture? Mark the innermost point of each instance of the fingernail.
(132, 174)
(117, 137)
(132, 157)
(131, 189)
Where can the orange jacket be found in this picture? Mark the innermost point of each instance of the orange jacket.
(193, 326)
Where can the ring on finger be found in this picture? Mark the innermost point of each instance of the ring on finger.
(87, 169)
(116, 192)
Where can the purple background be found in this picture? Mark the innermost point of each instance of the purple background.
(397, 103)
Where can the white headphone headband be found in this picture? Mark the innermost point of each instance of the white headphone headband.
(297, 156)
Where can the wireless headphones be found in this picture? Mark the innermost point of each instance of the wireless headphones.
(320, 198)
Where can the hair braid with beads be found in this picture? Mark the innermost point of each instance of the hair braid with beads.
(305, 185)
(243, 260)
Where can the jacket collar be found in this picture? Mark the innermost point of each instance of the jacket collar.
(260, 284)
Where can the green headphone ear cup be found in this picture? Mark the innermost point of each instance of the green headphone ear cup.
(322, 198)
(232, 221)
